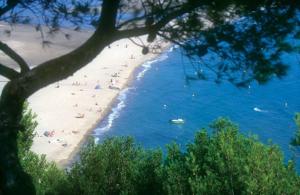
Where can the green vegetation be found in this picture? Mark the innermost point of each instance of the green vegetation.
(117, 166)
(223, 162)
(227, 162)
(296, 140)
(47, 178)
(25, 137)
(247, 40)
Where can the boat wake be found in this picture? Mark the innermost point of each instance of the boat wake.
(256, 109)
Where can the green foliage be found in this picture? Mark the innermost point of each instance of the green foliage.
(228, 163)
(116, 166)
(175, 172)
(47, 178)
(297, 120)
(223, 162)
(296, 140)
(25, 137)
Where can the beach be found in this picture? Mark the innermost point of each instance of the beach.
(67, 111)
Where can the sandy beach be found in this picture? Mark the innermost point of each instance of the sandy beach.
(72, 107)
(67, 111)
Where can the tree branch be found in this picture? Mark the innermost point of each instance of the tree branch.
(8, 72)
(10, 5)
(106, 33)
(185, 8)
(66, 65)
(109, 14)
(145, 16)
(171, 40)
(130, 21)
(16, 57)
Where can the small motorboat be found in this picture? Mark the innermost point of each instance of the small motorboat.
(177, 121)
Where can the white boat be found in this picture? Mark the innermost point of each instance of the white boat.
(177, 121)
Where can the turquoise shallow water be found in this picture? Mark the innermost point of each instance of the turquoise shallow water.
(159, 93)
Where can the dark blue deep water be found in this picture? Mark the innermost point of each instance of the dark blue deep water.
(160, 93)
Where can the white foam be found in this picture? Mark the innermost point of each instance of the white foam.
(123, 94)
(114, 114)
(147, 66)
(172, 48)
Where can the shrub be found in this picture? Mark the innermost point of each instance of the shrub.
(117, 166)
(296, 140)
(25, 136)
(47, 178)
(221, 162)
(228, 162)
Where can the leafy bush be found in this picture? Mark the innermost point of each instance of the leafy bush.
(296, 140)
(221, 162)
(228, 162)
(225, 162)
(47, 178)
(25, 136)
(117, 166)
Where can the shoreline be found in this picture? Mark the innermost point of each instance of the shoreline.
(69, 110)
(72, 157)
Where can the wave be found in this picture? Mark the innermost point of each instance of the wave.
(123, 95)
(147, 65)
(113, 115)
(172, 48)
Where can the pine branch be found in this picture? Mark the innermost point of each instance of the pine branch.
(59, 68)
(139, 31)
(10, 5)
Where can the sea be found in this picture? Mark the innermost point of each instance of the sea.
(159, 92)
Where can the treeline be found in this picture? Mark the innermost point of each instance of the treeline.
(221, 162)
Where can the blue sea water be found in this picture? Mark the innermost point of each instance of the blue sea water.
(160, 93)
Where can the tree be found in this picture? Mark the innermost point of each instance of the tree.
(296, 140)
(116, 166)
(45, 176)
(227, 162)
(221, 162)
(247, 39)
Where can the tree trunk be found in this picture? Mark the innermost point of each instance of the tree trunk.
(13, 180)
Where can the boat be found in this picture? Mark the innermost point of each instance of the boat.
(177, 121)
